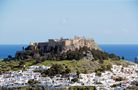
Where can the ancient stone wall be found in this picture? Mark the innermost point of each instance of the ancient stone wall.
(76, 42)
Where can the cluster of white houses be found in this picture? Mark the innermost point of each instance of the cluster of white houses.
(107, 80)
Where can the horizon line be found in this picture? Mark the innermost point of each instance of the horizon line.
(97, 44)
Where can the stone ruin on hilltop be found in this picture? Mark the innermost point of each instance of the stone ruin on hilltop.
(66, 44)
(60, 49)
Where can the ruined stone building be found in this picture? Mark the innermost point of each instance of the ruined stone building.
(67, 44)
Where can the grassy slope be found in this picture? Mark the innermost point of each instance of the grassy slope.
(84, 65)
(81, 65)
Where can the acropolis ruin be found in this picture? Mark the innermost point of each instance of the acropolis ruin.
(67, 44)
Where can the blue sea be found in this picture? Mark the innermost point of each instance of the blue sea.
(6, 50)
(128, 51)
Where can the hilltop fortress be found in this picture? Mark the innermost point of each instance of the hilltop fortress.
(60, 49)
(66, 44)
(64, 49)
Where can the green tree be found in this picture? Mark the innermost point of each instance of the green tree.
(74, 80)
(32, 82)
(67, 70)
(123, 57)
(78, 73)
(55, 69)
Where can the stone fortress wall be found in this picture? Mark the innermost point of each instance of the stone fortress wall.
(67, 44)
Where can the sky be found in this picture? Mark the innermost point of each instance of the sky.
(106, 21)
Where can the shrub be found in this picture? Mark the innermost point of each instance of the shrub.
(74, 80)
(32, 82)
(55, 69)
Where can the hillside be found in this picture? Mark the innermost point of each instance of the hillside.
(79, 54)
(86, 66)
(83, 66)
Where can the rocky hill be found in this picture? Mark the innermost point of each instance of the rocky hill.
(85, 57)
(64, 49)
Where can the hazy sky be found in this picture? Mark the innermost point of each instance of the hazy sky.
(107, 21)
